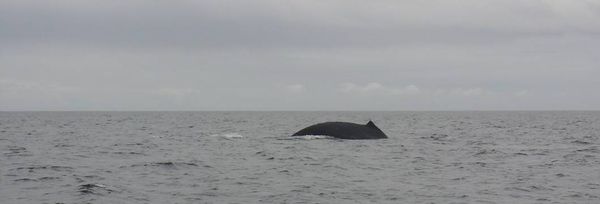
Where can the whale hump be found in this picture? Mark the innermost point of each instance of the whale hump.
(344, 130)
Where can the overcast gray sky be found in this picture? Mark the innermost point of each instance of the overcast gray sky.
(299, 55)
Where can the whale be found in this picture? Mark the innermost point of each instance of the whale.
(344, 130)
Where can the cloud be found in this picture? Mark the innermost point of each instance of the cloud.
(8, 86)
(469, 91)
(225, 54)
(16, 94)
(354, 88)
(521, 93)
(473, 91)
(277, 24)
(177, 92)
(377, 88)
(295, 88)
(410, 89)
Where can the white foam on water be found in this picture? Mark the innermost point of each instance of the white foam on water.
(313, 137)
(229, 135)
(233, 135)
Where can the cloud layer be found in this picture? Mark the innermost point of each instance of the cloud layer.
(377, 88)
(299, 55)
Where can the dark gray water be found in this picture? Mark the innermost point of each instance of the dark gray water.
(248, 157)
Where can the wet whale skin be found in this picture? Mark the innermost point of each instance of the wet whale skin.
(344, 130)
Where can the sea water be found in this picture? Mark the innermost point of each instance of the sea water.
(249, 157)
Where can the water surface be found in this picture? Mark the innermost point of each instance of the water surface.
(248, 157)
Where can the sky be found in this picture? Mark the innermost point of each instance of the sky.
(333, 55)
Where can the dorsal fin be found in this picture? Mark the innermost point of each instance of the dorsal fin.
(371, 124)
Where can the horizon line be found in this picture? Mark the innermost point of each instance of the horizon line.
(433, 110)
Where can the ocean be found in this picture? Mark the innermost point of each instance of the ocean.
(249, 157)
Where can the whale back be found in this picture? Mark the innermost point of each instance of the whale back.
(344, 130)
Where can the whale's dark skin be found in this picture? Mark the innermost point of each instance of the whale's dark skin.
(344, 130)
